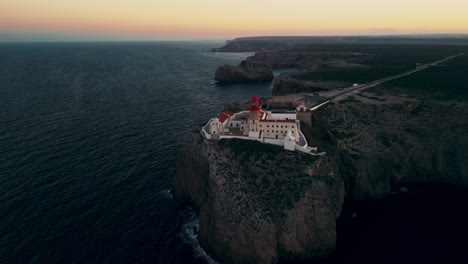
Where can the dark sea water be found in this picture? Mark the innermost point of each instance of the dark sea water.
(89, 137)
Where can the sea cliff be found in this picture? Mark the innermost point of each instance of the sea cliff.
(259, 66)
(260, 204)
(246, 71)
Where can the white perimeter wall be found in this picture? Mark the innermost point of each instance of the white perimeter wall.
(274, 141)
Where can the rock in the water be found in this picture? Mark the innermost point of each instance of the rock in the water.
(245, 72)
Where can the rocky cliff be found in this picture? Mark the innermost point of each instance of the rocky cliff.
(259, 203)
(382, 145)
(246, 71)
(259, 67)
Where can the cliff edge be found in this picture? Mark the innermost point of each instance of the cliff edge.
(246, 71)
(258, 203)
(379, 146)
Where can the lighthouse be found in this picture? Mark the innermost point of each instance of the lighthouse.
(254, 117)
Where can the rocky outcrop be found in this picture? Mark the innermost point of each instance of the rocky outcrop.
(245, 72)
(284, 85)
(258, 203)
(380, 146)
(259, 67)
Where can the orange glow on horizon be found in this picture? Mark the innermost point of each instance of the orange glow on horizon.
(242, 18)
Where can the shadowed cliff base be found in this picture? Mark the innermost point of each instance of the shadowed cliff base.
(418, 223)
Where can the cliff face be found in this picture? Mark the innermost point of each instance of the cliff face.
(380, 146)
(245, 72)
(259, 67)
(258, 203)
(283, 85)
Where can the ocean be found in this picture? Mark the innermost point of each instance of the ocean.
(89, 138)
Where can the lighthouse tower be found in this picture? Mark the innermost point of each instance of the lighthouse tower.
(254, 117)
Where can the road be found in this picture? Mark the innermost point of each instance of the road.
(349, 91)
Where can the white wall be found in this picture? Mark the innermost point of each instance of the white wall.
(208, 136)
(280, 129)
(254, 134)
(235, 123)
(301, 149)
(229, 137)
(289, 142)
(279, 142)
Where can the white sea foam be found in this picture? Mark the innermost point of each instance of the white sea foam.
(190, 237)
(166, 194)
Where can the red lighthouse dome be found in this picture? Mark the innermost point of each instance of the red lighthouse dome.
(254, 102)
(254, 99)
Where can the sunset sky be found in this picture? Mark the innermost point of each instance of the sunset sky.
(209, 19)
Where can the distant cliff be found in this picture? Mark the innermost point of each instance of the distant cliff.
(246, 71)
(259, 203)
(281, 43)
(259, 66)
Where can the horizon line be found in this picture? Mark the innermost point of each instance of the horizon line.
(123, 38)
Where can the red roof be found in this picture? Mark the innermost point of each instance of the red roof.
(224, 115)
(254, 99)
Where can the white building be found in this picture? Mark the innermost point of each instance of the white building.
(258, 124)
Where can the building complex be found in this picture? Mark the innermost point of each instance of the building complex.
(272, 127)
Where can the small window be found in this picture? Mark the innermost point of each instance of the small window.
(287, 118)
(214, 132)
(277, 126)
(260, 125)
(231, 124)
(281, 126)
(253, 130)
(268, 131)
(286, 126)
(292, 126)
(237, 125)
